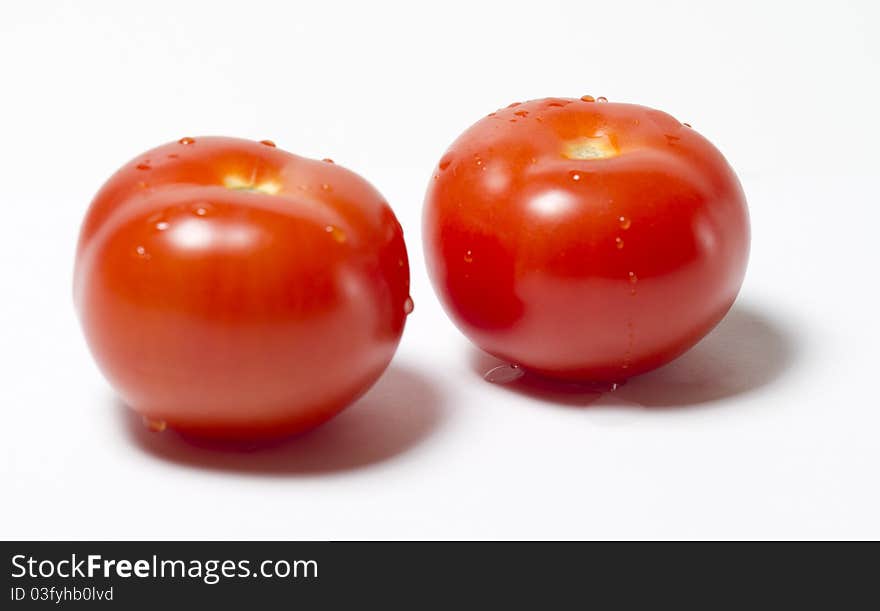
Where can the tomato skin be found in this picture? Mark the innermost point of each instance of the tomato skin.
(582, 240)
(226, 311)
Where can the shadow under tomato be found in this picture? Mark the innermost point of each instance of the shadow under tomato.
(403, 409)
(746, 351)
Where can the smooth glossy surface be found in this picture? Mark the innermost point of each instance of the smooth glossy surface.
(583, 239)
(228, 288)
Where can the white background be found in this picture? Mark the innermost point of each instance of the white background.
(769, 428)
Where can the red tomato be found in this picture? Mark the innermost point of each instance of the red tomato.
(228, 288)
(585, 240)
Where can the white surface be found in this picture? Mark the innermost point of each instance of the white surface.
(768, 428)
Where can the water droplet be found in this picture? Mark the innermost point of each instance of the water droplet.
(522, 113)
(267, 143)
(478, 160)
(326, 187)
(504, 374)
(575, 175)
(327, 160)
(154, 425)
(201, 211)
(491, 114)
(142, 252)
(468, 257)
(445, 161)
(630, 340)
(633, 278)
(336, 233)
(555, 105)
(514, 104)
(173, 156)
(618, 241)
(625, 223)
(162, 225)
(187, 140)
(686, 124)
(602, 99)
(513, 120)
(588, 98)
(400, 263)
(599, 388)
(408, 306)
(145, 165)
(533, 160)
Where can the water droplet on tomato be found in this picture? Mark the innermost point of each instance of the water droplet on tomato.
(144, 165)
(173, 156)
(588, 98)
(336, 233)
(326, 187)
(154, 425)
(618, 241)
(630, 341)
(597, 388)
(408, 306)
(575, 175)
(267, 143)
(201, 209)
(602, 99)
(514, 104)
(468, 257)
(445, 161)
(400, 263)
(633, 278)
(504, 374)
(142, 252)
(625, 223)
(187, 140)
(327, 160)
(162, 225)
(522, 113)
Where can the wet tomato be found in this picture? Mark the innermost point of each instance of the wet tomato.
(228, 288)
(585, 240)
